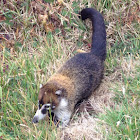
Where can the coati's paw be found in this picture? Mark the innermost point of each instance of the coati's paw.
(60, 124)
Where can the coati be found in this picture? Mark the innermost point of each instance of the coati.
(77, 78)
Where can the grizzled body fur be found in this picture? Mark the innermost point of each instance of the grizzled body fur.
(78, 77)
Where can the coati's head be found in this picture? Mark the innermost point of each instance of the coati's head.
(49, 98)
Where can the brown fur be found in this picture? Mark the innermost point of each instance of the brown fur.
(56, 82)
(71, 83)
(79, 76)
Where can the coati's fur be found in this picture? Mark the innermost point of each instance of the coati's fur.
(77, 78)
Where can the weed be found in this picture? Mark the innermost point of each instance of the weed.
(29, 55)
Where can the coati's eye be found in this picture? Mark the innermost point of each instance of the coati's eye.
(40, 105)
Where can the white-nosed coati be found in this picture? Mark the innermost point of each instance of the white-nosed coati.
(77, 78)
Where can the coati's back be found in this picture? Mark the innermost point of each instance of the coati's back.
(79, 76)
(86, 69)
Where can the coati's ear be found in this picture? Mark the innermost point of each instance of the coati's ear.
(41, 86)
(58, 92)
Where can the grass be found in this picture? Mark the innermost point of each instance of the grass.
(124, 117)
(29, 56)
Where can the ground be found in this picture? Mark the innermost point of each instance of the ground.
(37, 37)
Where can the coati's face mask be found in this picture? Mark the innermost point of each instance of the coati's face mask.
(43, 109)
(48, 99)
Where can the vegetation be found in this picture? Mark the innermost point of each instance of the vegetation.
(37, 37)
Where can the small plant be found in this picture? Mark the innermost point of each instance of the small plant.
(30, 53)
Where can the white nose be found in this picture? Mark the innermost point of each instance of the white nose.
(35, 119)
(38, 116)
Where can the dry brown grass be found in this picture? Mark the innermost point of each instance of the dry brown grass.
(87, 125)
(121, 19)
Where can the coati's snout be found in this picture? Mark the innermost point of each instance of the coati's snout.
(42, 111)
(48, 99)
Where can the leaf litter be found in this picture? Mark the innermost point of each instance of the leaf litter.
(47, 17)
(46, 13)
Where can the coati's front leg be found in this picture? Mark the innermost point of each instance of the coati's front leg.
(62, 112)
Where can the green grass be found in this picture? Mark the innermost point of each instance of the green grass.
(124, 119)
(31, 56)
